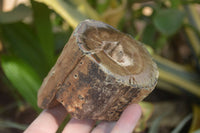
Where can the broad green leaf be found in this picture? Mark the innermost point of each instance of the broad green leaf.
(168, 21)
(24, 44)
(17, 14)
(23, 78)
(44, 31)
(182, 124)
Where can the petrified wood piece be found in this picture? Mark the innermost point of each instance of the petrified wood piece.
(99, 73)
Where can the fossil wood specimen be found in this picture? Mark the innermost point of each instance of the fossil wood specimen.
(99, 73)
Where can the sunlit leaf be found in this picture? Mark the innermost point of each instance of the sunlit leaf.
(112, 16)
(179, 76)
(23, 78)
(168, 21)
(68, 12)
(84, 7)
(17, 14)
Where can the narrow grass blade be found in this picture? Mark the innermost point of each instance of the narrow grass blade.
(192, 31)
(10, 124)
(182, 123)
(186, 81)
(155, 125)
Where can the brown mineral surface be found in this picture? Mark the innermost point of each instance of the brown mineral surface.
(99, 73)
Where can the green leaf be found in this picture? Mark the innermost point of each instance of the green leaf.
(168, 21)
(180, 77)
(149, 34)
(175, 3)
(102, 5)
(44, 32)
(23, 78)
(192, 31)
(67, 11)
(24, 44)
(84, 8)
(17, 14)
(160, 42)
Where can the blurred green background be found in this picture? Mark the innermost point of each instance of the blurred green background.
(33, 33)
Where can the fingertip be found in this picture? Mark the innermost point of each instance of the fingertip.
(104, 127)
(75, 126)
(48, 121)
(136, 107)
(128, 119)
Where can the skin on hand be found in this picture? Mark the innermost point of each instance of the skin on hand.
(49, 120)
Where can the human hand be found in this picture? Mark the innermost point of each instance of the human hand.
(49, 120)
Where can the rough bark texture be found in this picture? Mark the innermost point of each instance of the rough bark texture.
(99, 73)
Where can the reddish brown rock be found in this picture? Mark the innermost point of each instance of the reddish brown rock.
(99, 73)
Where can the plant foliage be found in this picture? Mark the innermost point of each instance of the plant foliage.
(32, 36)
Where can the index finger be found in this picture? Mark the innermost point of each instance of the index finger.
(48, 121)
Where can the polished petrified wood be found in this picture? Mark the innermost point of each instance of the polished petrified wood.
(99, 73)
